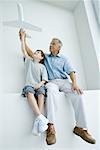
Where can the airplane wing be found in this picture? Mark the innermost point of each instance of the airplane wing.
(12, 24)
(22, 24)
(29, 26)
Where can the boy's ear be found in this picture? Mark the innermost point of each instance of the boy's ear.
(42, 57)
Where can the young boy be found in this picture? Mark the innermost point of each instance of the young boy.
(34, 90)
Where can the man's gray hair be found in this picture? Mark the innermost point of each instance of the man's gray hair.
(58, 41)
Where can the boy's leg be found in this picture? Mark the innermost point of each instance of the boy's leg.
(32, 101)
(40, 102)
(40, 124)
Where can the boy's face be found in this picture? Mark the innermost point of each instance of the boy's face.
(37, 55)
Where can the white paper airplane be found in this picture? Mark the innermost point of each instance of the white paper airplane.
(20, 23)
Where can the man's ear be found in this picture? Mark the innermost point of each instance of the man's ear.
(59, 47)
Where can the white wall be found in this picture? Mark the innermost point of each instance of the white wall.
(94, 27)
(54, 22)
(0, 42)
(87, 48)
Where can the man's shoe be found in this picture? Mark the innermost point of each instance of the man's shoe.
(50, 134)
(84, 135)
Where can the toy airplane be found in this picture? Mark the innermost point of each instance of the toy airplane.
(20, 23)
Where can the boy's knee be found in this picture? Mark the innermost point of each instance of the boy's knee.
(29, 95)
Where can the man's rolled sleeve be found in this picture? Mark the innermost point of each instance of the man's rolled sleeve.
(68, 67)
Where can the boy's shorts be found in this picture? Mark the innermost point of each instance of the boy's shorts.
(27, 89)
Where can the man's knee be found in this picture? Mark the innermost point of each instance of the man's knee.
(51, 87)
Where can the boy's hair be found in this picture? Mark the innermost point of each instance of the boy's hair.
(43, 55)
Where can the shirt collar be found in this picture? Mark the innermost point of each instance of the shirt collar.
(58, 55)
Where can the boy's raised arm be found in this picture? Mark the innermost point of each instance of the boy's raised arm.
(23, 39)
(29, 51)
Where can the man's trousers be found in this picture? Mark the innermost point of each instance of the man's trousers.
(63, 85)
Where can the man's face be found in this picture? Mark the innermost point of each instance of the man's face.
(54, 47)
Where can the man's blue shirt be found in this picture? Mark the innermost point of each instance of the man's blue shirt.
(57, 66)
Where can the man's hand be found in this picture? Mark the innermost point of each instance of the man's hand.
(22, 34)
(76, 88)
(74, 85)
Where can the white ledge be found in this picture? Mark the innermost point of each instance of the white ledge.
(16, 123)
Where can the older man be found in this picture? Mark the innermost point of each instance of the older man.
(58, 68)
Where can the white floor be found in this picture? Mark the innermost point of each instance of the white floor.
(16, 119)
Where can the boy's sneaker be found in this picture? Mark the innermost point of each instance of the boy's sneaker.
(35, 130)
(40, 125)
(43, 121)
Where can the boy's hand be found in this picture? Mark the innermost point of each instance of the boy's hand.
(22, 34)
(37, 86)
